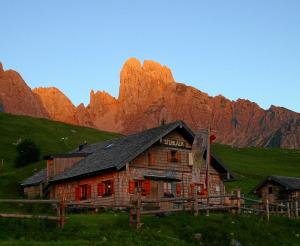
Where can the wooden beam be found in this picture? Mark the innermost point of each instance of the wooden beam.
(29, 216)
(28, 201)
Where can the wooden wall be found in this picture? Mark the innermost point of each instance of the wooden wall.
(34, 191)
(58, 165)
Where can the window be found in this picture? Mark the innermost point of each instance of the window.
(168, 189)
(144, 185)
(270, 189)
(106, 188)
(174, 156)
(199, 189)
(83, 192)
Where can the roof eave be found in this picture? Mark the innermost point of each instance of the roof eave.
(86, 175)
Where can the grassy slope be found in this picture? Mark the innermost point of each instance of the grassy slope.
(252, 164)
(47, 134)
(112, 229)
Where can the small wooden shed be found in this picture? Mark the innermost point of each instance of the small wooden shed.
(278, 189)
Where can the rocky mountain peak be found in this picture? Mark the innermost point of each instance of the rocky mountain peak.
(1, 68)
(142, 84)
(58, 106)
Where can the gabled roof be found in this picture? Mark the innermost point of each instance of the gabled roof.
(289, 183)
(36, 179)
(114, 154)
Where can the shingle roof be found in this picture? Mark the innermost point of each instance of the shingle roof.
(289, 183)
(36, 179)
(114, 154)
(66, 155)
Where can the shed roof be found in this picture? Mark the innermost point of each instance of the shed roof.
(289, 183)
(36, 179)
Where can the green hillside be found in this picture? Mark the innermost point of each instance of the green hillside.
(51, 136)
(251, 165)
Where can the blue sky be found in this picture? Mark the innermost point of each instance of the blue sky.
(240, 49)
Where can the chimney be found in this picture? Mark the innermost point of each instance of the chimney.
(81, 146)
(162, 122)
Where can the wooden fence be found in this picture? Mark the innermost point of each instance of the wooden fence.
(234, 203)
(60, 210)
(139, 206)
(286, 208)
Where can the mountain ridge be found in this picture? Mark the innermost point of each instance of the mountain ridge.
(148, 95)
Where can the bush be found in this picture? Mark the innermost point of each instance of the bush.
(27, 152)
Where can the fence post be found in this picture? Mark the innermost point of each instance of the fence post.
(58, 209)
(288, 210)
(131, 216)
(267, 209)
(138, 209)
(61, 213)
(296, 209)
(238, 194)
(196, 209)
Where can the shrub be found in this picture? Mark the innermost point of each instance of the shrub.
(27, 152)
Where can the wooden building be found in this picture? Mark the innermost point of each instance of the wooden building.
(278, 189)
(160, 161)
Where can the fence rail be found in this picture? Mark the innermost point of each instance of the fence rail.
(234, 203)
(60, 210)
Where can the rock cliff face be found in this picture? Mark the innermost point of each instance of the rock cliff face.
(149, 94)
(58, 106)
(17, 98)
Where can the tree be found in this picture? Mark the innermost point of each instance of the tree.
(27, 152)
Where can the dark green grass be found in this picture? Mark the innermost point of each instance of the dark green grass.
(112, 229)
(50, 136)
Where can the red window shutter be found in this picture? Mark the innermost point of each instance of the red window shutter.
(89, 191)
(192, 189)
(178, 189)
(178, 156)
(131, 186)
(100, 189)
(146, 187)
(112, 187)
(77, 193)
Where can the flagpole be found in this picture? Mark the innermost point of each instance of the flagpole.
(207, 167)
